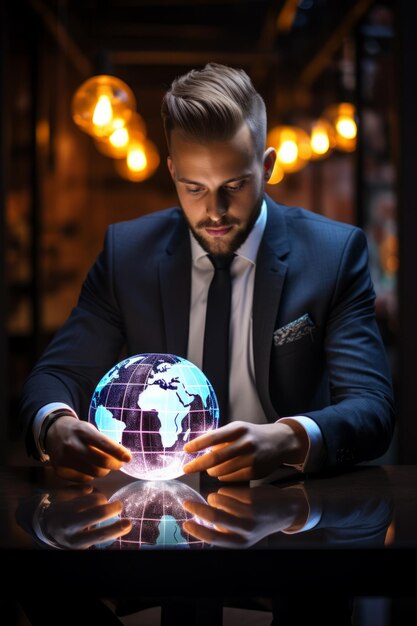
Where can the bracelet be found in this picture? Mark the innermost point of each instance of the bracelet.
(47, 423)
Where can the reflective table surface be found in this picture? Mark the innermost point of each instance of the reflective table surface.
(355, 530)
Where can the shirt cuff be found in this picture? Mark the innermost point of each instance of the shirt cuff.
(40, 418)
(315, 455)
(314, 513)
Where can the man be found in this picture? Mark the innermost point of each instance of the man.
(309, 382)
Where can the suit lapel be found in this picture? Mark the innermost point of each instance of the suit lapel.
(269, 281)
(175, 283)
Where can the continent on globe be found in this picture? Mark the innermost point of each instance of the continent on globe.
(152, 404)
(165, 388)
(107, 423)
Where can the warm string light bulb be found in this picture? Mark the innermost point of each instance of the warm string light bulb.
(141, 161)
(292, 145)
(342, 118)
(346, 127)
(322, 139)
(136, 159)
(105, 108)
(288, 152)
(102, 104)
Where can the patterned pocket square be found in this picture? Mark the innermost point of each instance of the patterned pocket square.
(294, 330)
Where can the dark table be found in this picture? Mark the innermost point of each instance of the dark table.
(243, 541)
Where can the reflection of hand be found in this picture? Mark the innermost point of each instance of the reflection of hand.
(242, 516)
(79, 517)
(242, 451)
(79, 452)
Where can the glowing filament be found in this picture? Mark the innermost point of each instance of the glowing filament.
(103, 111)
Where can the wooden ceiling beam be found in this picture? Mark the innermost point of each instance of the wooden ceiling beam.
(324, 56)
(191, 57)
(65, 42)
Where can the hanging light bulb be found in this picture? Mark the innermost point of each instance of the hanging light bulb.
(102, 104)
(292, 145)
(117, 144)
(342, 118)
(141, 161)
(322, 139)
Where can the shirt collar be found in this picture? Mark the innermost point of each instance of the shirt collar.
(249, 248)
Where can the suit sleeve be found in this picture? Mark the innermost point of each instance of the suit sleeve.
(358, 424)
(88, 344)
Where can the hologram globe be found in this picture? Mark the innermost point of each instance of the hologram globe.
(155, 510)
(153, 404)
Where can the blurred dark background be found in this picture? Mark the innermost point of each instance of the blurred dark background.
(58, 191)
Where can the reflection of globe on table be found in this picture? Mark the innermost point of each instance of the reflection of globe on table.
(157, 516)
(153, 404)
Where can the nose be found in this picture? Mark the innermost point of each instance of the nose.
(216, 206)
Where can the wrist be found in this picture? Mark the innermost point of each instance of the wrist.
(297, 442)
(48, 421)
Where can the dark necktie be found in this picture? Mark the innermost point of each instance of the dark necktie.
(216, 335)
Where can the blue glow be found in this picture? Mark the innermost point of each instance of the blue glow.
(153, 404)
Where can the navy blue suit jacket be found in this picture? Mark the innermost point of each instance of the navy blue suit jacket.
(136, 299)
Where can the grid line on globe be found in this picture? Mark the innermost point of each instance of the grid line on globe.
(153, 404)
(157, 516)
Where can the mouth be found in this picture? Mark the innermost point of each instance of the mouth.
(218, 231)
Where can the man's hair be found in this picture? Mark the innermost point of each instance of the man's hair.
(212, 103)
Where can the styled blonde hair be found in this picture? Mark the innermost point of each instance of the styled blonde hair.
(212, 103)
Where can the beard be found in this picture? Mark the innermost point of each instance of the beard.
(220, 248)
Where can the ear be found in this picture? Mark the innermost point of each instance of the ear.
(171, 168)
(270, 156)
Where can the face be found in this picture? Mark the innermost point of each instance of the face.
(220, 187)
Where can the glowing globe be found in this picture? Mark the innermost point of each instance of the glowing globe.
(153, 404)
(157, 516)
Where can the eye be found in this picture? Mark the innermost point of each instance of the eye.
(194, 190)
(237, 187)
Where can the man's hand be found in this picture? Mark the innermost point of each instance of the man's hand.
(243, 516)
(79, 517)
(241, 451)
(79, 452)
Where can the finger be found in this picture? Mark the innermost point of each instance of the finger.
(243, 475)
(234, 464)
(94, 438)
(98, 515)
(225, 434)
(101, 534)
(83, 466)
(241, 494)
(102, 460)
(229, 505)
(208, 535)
(219, 519)
(208, 513)
(90, 461)
(216, 456)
